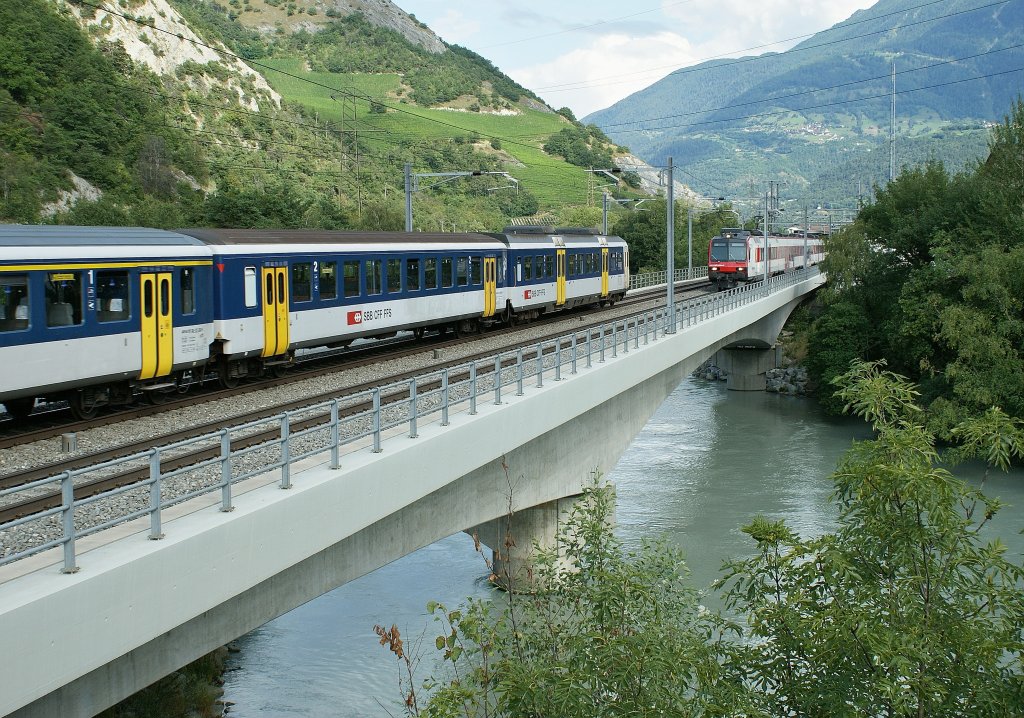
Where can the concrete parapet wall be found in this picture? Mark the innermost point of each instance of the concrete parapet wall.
(140, 609)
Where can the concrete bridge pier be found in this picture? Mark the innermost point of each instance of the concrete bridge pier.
(746, 366)
(514, 539)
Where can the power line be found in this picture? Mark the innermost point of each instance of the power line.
(828, 104)
(818, 89)
(583, 84)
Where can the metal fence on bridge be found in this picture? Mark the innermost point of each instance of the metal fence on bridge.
(360, 419)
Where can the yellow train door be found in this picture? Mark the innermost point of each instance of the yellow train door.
(490, 286)
(275, 311)
(604, 271)
(560, 273)
(157, 324)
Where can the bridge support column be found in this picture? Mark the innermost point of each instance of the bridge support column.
(513, 538)
(746, 367)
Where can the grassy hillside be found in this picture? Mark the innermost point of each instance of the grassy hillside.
(505, 140)
(89, 135)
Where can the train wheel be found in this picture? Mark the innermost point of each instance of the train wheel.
(418, 333)
(279, 370)
(19, 408)
(227, 380)
(81, 409)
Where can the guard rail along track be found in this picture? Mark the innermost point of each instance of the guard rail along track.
(324, 428)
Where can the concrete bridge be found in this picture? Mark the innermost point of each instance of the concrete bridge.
(138, 609)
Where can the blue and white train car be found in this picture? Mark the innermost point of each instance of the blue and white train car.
(553, 269)
(280, 290)
(94, 315)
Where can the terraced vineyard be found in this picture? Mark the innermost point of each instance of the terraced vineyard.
(519, 137)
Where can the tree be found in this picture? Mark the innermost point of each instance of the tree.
(904, 610)
(611, 633)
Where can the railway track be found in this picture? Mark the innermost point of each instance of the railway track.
(85, 489)
(54, 421)
(52, 499)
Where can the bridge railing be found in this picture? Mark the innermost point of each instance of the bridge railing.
(227, 457)
(653, 279)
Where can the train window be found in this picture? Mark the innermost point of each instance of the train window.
(329, 280)
(475, 273)
(430, 273)
(188, 291)
(250, 286)
(549, 264)
(412, 274)
(351, 271)
(165, 297)
(374, 280)
(539, 267)
(527, 269)
(280, 288)
(447, 277)
(13, 302)
(302, 281)
(270, 291)
(394, 275)
(112, 296)
(462, 268)
(63, 299)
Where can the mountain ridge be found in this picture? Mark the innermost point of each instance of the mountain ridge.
(750, 113)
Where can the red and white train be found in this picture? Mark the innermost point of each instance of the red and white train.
(738, 255)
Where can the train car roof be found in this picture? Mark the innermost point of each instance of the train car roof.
(31, 235)
(228, 237)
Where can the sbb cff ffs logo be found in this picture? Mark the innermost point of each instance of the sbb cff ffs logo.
(355, 318)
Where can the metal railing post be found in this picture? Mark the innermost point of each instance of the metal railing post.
(497, 380)
(573, 353)
(67, 495)
(412, 409)
(225, 471)
(335, 435)
(519, 371)
(601, 329)
(472, 389)
(540, 365)
(590, 335)
(286, 453)
(444, 397)
(154, 496)
(615, 341)
(558, 359)
(376, 420)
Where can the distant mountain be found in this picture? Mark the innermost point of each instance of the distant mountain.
(817, 115)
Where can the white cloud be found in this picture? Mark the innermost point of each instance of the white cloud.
(752, 24)
(454, 27)
(607, 69)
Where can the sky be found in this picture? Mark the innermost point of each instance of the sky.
(589, 54)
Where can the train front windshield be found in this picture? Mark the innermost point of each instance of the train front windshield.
(723, 250)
